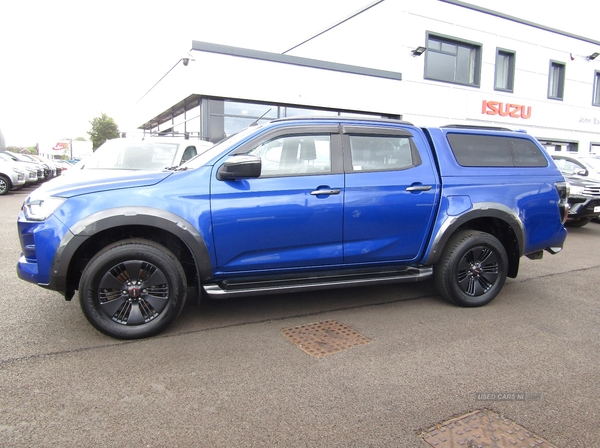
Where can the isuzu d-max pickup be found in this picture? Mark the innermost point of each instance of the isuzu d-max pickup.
(293, 205)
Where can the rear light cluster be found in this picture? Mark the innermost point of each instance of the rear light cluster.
(563, 190)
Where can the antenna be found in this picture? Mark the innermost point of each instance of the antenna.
(255, 122)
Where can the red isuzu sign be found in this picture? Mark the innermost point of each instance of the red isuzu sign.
(505, 110)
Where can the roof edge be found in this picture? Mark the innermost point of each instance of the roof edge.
(293, 60)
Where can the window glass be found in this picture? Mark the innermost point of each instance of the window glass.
(556, 81)
(465, 65)
(300, 111)
(189, 153)
(593, 162)
(495, 151)
(293, 155)
(377, 153)
(250, 109)
(568, 167)
(526, 153)
(596, 101)
(125, 154)
(452, 61)
(505, 70)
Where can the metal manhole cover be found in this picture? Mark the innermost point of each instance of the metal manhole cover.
(324, 338)
(485, 429)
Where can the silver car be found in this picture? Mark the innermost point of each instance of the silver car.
(12, 177)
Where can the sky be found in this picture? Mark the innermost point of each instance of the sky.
(65, 62)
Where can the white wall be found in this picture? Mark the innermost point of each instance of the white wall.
(383, 38)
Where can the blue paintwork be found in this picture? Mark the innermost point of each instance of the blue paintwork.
(267, 226)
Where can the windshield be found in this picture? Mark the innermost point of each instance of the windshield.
(593, 162)
(132, 155)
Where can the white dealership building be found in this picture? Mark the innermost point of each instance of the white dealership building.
(453, 63)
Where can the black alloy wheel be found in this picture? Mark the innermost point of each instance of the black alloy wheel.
(472, 269)
(132, 289)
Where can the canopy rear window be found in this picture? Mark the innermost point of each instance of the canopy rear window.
(495, 151)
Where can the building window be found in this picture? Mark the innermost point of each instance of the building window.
(452, 60)
(504, 78)
(556, 80)
(596, 101)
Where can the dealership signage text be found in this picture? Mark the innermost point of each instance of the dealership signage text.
(505, 109)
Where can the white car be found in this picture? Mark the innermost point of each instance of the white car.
(151, 153)
(578, 166)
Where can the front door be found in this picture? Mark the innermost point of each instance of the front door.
(289, 217)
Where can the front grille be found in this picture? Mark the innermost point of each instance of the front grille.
(591, 190)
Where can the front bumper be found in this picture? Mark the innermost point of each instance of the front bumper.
(583, 207)
(40, 241)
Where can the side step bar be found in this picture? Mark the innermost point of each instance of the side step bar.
(245, 287)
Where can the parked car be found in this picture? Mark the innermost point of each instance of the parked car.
(41, 174)
(12, 177)
(583, 175)
(578, 166)
(62, 166)
(294, 205)
(32, 170)
(151, 153)
(584, 201)
(50, 164)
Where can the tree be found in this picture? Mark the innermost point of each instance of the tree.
(103, 128)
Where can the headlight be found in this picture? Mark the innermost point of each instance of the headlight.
(40, 209)
(18, 171)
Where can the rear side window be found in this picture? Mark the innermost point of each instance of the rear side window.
(383, 153)
(495, 151)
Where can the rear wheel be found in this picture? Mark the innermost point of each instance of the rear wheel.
(472, 269)
(132, 289)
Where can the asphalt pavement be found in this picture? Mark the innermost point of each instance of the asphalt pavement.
(224, 375)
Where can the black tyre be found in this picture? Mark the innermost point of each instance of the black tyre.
(472, 269)
(132, 289)
(4, 185)
(578, 223)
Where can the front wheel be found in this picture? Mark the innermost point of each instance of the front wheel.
(4, 185)
(132, 289)
(472, 269)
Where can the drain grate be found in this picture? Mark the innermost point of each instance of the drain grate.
(324, 338)
(482, 429)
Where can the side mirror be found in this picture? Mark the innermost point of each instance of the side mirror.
(240, 167)
(582, 172)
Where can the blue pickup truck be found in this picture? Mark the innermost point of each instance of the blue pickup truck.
(294, 205)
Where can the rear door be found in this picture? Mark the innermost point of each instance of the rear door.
(289, 217)
(391, 192)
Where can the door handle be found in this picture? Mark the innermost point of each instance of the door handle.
(320, 192)
(419, 188)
